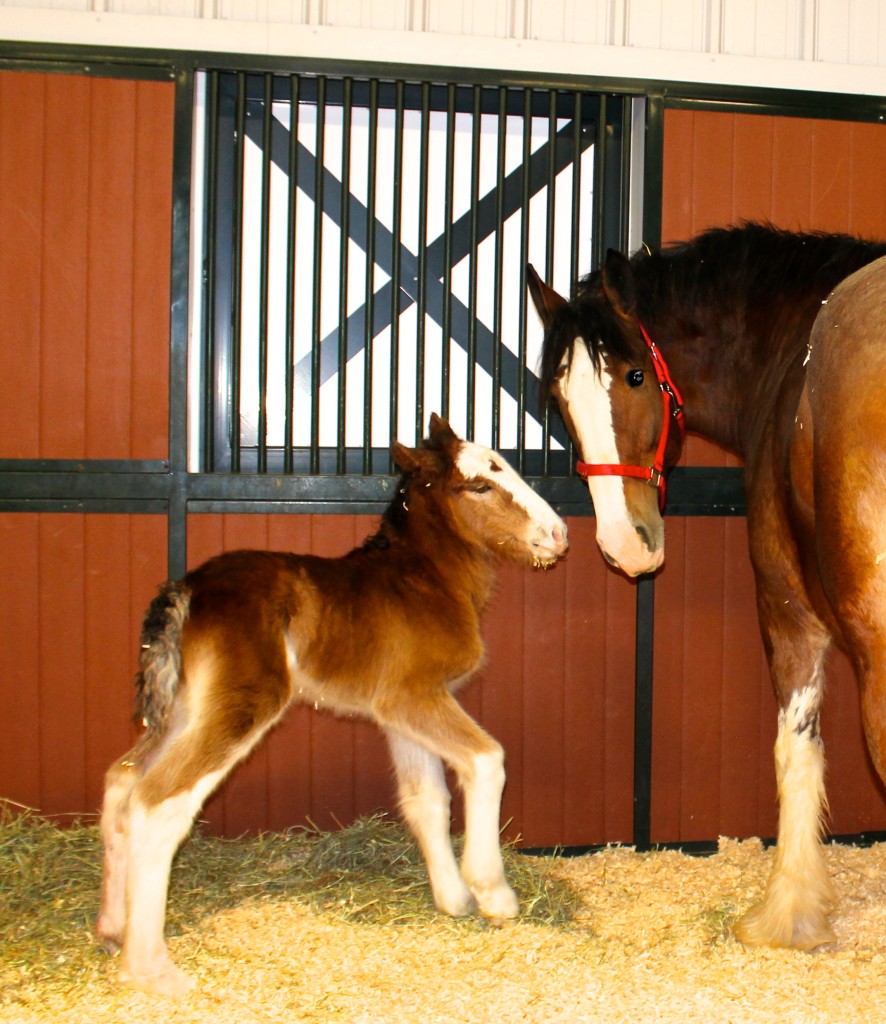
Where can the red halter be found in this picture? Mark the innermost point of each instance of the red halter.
(672, 405)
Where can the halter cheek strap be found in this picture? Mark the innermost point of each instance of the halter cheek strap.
(672, 408)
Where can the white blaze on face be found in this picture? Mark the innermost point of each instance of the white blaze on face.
(475, 461)
(586, 395)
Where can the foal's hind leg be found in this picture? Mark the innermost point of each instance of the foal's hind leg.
(155, 831)
(440, 725)
(111, 923)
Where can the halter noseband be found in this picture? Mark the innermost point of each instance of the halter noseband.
(672, 407)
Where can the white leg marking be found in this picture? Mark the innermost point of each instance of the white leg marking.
(112, 915)
(154, 835)
(799, 895)
(425, 803)
(481, 864)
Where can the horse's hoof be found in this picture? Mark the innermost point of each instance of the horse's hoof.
(758, 928)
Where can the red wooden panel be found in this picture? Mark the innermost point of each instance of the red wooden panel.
(75, 588)
(19, 658)
(85, 211)
(714, 712)
(21, 226)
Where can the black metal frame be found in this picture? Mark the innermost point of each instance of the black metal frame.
(166, 487)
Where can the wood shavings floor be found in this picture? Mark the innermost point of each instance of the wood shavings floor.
(653, 944)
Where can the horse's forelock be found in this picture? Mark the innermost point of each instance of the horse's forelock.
(587, 319)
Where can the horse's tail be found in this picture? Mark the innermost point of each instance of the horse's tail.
(160, 664)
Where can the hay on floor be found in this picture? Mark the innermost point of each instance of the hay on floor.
(311, 926)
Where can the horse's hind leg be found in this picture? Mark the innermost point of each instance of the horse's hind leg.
(441, 726)
(425, 805)
(799, 895)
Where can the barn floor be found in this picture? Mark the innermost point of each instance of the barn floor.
(339, 928)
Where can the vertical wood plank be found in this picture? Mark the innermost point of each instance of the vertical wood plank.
(20, 658)
(543, 704)
(110, 159)
(21, 226)
(60, 644)
(64, 282)
(151, 270)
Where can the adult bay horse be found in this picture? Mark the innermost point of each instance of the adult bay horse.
(388, 631)
(748, 334)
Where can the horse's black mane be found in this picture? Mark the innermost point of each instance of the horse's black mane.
(747, 265)
(751, 259)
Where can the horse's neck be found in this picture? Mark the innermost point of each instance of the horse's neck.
(707, 372)
(736, 353)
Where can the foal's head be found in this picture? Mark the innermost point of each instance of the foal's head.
(488, 502)
(598, 367)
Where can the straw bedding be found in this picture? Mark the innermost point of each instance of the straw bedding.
(310, 926)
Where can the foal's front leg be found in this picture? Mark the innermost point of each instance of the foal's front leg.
(425, 805)
(438, 724)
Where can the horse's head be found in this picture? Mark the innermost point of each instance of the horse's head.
(492, 504)
(603, 372)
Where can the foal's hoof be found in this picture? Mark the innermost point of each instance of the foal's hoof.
(109, 938)
(498, 903)
(169, 981)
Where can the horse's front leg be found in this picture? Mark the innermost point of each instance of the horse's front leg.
(799, 895)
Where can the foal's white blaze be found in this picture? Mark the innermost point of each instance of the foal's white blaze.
(586, 394)
(549, 539)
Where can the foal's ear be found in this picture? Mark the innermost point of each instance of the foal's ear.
(414, 460)
(618, 283)
(546, 300)
(441, 434)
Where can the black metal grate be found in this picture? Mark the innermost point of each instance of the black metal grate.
(364, 250)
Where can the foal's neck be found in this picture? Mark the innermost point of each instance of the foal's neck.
(418, 532)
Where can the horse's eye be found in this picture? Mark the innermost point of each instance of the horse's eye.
(634, 378)
(481, 488)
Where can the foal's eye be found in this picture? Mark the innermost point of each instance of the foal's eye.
(634, 378)
(481, 488)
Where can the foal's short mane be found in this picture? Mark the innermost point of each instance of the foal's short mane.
(395, 517)
(717, 270)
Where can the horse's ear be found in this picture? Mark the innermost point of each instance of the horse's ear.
(441, 434)
(618, 283)
(546, 300)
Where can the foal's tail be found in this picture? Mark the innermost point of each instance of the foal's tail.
(160, 662)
